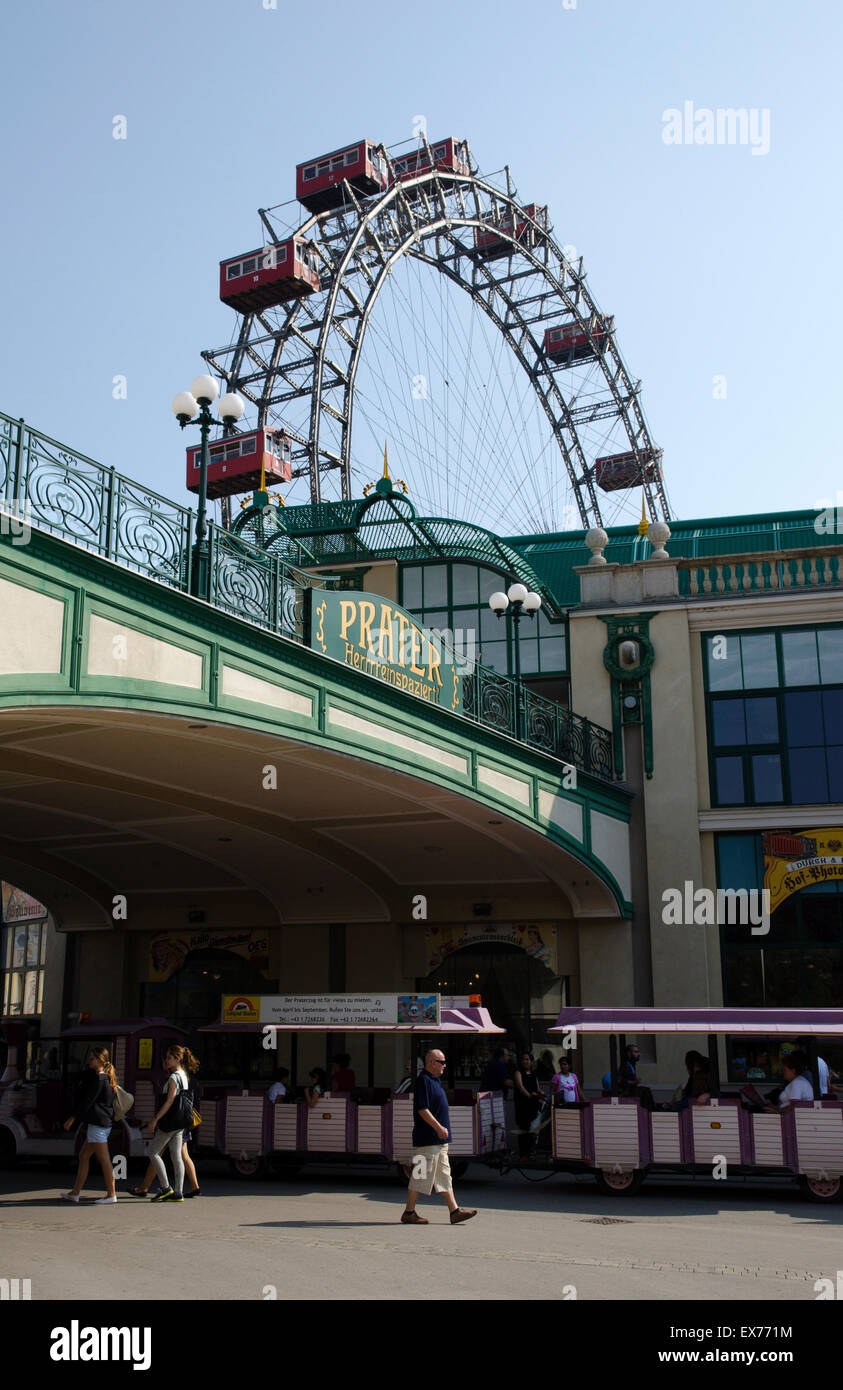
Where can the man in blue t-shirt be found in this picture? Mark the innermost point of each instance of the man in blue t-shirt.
(429, 1165)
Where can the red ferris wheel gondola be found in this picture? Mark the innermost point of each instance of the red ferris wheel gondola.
(259, 279)
(569, 342)
(615, 472)
(319, 181)
(239, 462)
(490, 243)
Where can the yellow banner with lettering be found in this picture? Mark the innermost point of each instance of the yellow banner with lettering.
(800, 859)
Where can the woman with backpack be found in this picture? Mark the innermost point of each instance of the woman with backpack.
(95, 1108)
(172, 1117)
(188, 1065)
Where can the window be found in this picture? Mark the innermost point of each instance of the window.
(337, 162)
(456, 597)
(249, 266)
(800, 960)
(23, 954)
(784, 745)
(352, 156)
(232, 271)
(310, 172)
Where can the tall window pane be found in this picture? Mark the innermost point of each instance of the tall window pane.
(411, 590)
(808, 777)
(767, 777)
(803, 712)
(464, 583)
(762, 721)
(729, 722)
(730, 790)
(724, 669)
(830, 643)
(799, 656)
(758, 653)
(435, 586)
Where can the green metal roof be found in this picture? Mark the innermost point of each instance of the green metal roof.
(388, 527)
(555, 556)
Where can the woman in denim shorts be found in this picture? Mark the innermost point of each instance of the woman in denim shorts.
(95, 1108)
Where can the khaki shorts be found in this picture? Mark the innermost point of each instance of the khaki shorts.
(430, 1168)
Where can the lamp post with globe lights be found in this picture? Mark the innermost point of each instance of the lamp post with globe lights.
(193, 407)
(517, 602)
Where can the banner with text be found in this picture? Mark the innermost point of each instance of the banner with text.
(339, 1011)
(168, 951)
(794, 860)
(376, 636)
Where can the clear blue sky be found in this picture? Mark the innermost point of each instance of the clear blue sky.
(712, 259)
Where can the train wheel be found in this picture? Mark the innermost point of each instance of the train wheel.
(618, 1184)
(8, 1149)
(821, 1189)
(248, 1167)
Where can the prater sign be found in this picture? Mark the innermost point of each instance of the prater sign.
(378, 637)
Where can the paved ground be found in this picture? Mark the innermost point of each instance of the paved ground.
(329, 1233)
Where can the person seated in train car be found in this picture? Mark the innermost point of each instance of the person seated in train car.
(826, 1075)
(565, 1085)
(496, 1075)
(342, 1075)
(627, 1080)
(406, 1082)
(798, 1083)
(697, 1090)
(318, 1086)
(278, 1089)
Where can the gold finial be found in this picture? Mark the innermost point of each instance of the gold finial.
(385, 464)
(643, 525)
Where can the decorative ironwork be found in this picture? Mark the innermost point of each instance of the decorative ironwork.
(496, 701)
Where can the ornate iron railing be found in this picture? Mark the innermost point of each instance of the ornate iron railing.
(503, 704)
(47, 485)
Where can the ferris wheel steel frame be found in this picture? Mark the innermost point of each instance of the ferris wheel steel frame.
(361, 241)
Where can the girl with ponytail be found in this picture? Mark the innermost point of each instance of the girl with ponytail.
(179, 1061)
(95, 1107)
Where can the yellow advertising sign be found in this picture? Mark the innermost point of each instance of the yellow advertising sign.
(241, 1008)
(144, 1054)
(795, 860)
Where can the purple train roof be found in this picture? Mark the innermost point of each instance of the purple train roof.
(104, 1027)
(820, 1023)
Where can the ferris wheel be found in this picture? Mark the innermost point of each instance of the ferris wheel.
(424, 303)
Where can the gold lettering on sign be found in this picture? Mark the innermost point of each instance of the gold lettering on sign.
(416, 640)
(367, 617)
(348, 612)
(403, 624)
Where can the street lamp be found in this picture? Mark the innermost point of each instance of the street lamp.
(518, 600)
(193, 407)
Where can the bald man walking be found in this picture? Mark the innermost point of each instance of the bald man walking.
(430, 1167)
